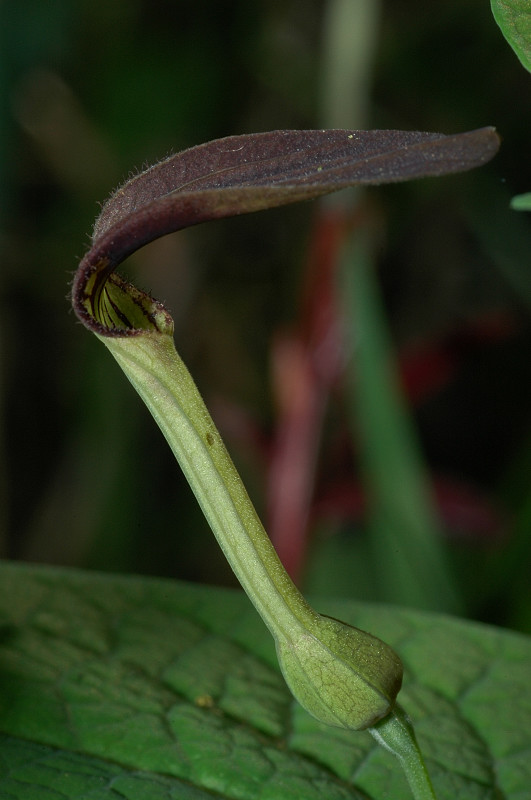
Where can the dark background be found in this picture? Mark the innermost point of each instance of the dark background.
(93, 90)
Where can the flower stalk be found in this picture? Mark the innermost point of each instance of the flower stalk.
(340, 674)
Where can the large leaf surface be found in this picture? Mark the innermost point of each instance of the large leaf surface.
(116, 687)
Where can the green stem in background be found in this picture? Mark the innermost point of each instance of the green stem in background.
(350, 39)
(410, 559)
(409, 563)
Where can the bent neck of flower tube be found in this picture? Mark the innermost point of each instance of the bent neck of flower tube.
(156, 371)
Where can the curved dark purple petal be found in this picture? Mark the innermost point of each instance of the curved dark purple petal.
(241, 174)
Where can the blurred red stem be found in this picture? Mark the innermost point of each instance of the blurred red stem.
(305, 364)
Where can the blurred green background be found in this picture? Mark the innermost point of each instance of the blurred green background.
(92, 91)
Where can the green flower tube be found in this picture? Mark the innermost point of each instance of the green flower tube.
(343, 676)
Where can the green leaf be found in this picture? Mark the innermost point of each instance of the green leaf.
(522, 202)
(29, 770)
(116, 687)
(514, 19)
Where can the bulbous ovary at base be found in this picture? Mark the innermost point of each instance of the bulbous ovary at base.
(341, 675)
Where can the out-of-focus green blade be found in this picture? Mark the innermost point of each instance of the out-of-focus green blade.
(505, 237)
(409, 554)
